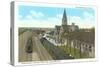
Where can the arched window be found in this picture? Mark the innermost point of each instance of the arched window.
(90, 48)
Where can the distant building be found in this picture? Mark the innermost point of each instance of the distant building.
(83, 40)
(64, 28)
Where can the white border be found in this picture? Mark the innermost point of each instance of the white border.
(16, 3)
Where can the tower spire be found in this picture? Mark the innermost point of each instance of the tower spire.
(64, 19)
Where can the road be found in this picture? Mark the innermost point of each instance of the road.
(39, 52)
(22, 42)
(43, 54)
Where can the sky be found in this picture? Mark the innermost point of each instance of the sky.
(35, 16)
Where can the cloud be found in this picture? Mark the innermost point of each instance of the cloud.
(49, 22)
(37, 23)
(31, 15)
(36, 14)
(87, 21)
(59, 16)
(20, 17)
(88, 15)
(28, 17)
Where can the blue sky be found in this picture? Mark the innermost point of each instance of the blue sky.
(51, 16)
